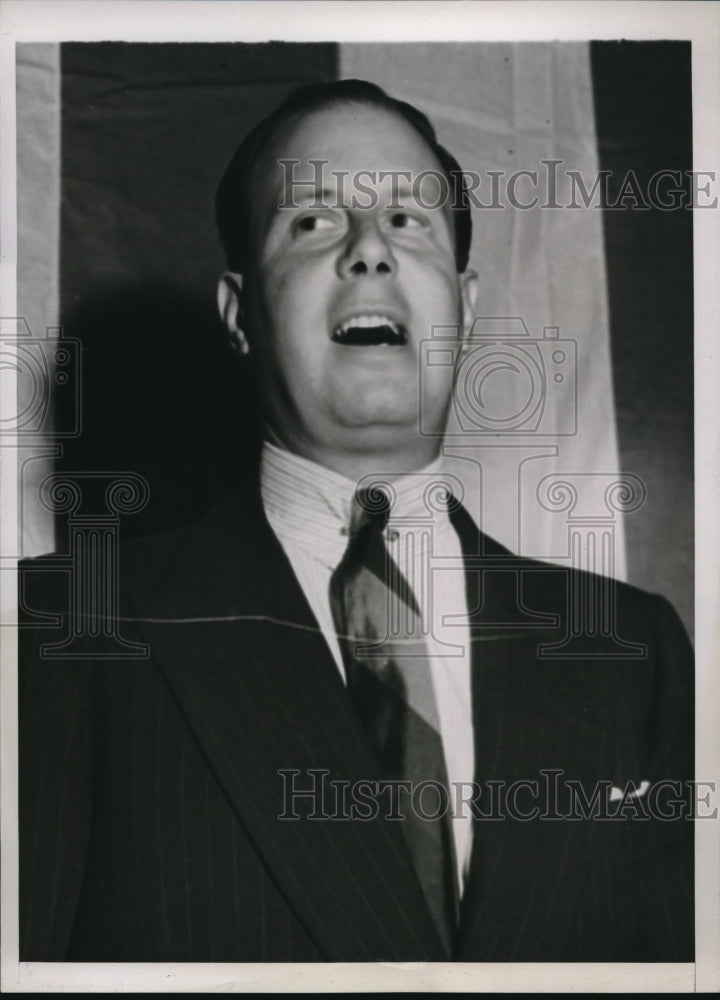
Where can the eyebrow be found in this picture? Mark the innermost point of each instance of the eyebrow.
(399, 193)
(327, 198)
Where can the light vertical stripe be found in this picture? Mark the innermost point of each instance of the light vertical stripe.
(38, 208)
(509, 107)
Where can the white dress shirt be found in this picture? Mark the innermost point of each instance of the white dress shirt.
(308, 507)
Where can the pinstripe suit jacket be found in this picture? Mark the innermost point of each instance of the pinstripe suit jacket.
(150, 788)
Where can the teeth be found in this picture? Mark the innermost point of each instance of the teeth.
(370, 330)
(367, 321)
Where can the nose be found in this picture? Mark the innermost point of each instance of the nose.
(366, 251)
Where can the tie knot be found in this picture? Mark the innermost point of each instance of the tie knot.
(373, 506)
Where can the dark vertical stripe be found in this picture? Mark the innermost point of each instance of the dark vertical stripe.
(115, 693)
(137, 772)
(147, 130)
(29, 868)
(644, 124)
(54, 798)
(262, 914)
(232, 828)
(210, 934)
(159, 746)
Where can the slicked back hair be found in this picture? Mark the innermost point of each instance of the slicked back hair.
(237, 191)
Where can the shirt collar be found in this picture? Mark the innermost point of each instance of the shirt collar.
(310, 506)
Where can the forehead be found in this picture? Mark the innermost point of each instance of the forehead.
(352, 138)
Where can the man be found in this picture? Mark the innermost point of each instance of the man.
(255, 789)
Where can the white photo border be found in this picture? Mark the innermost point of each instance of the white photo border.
(327, 20)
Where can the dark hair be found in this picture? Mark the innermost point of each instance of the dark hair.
(235, 194)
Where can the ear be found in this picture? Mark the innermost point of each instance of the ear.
(230, 306)
(469, 286)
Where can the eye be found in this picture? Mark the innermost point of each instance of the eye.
(313, 223)
(401, 220)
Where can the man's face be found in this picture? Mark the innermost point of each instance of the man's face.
(343, 295)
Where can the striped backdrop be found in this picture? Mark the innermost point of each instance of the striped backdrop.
(119, 150)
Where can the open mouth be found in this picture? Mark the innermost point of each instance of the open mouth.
(370, 331)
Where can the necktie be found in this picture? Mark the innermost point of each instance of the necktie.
(389, 682)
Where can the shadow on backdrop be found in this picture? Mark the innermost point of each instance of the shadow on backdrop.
(165, 396)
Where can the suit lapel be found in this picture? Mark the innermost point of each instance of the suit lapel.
(528, 715)
(232, 633)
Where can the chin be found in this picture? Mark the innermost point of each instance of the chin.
(378, 407)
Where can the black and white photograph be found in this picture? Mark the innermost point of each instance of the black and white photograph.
(359, 463)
